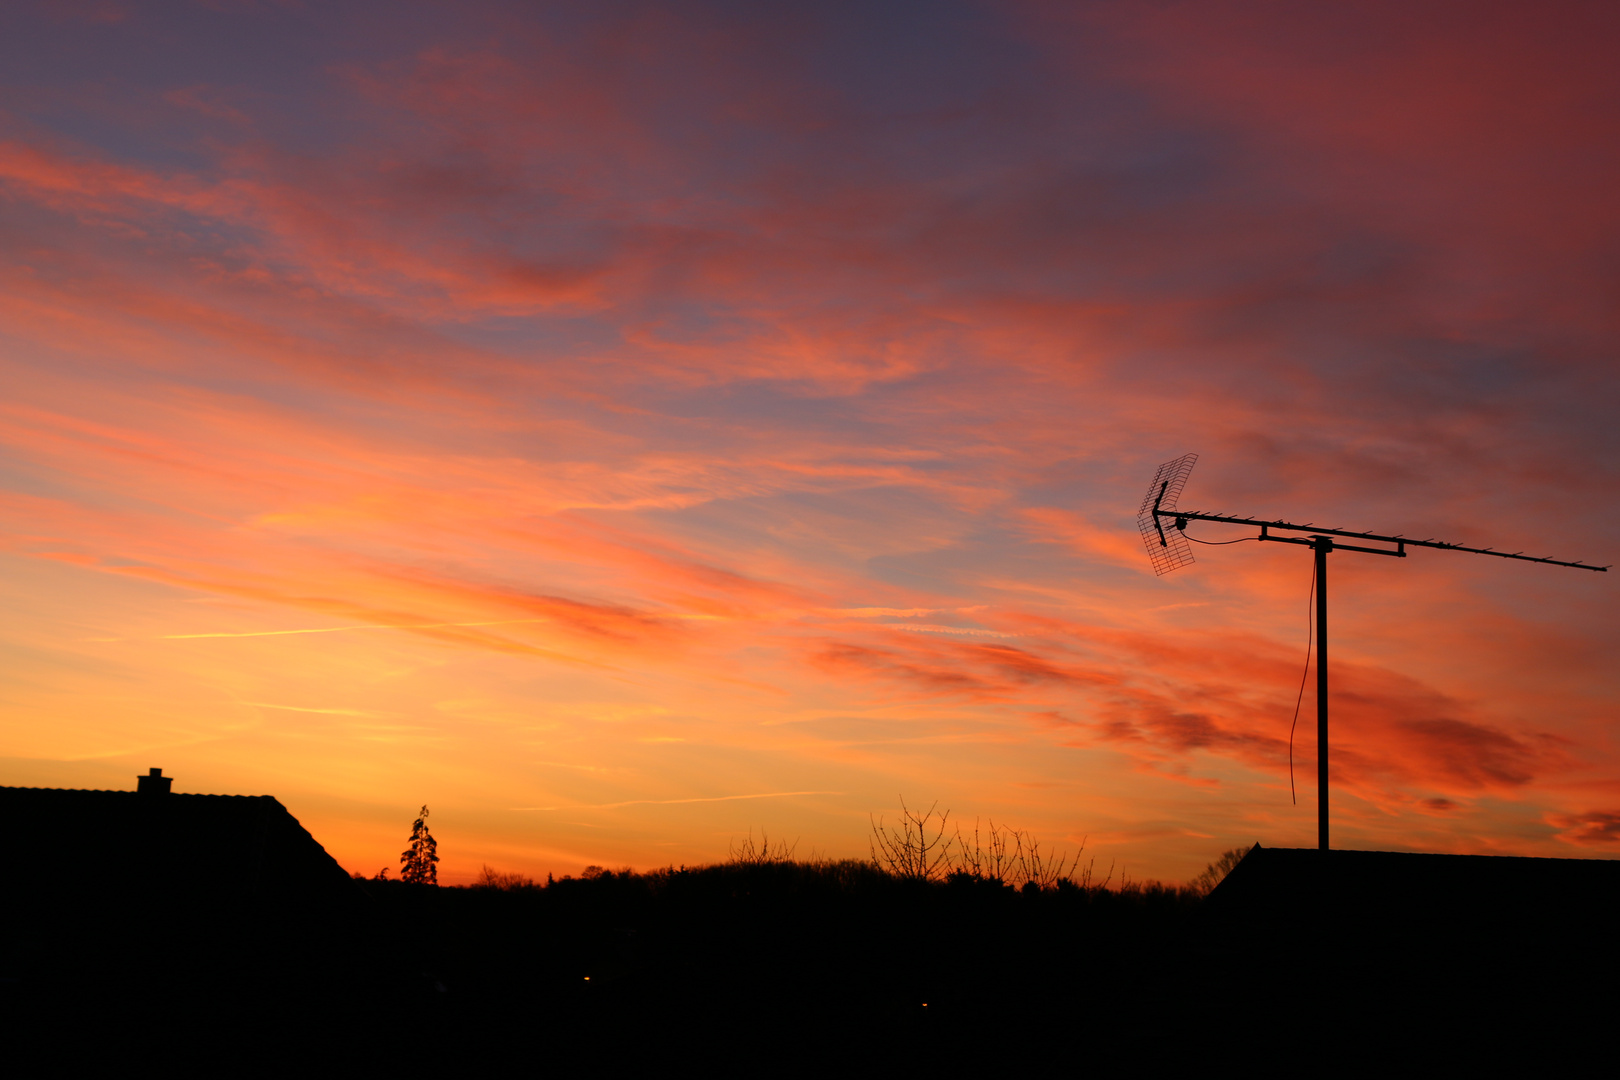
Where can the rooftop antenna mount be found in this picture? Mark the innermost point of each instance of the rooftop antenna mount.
(1163, 529)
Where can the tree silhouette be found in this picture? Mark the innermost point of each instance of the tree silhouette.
(1216, 871)
(419, 863)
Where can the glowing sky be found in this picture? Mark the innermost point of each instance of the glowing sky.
(621, 426)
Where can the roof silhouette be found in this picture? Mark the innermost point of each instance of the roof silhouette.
(1416, 900)
(246, 847)
(1370, 874)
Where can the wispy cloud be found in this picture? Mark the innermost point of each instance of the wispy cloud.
(339, 629)
(672, 802)
(926, 628)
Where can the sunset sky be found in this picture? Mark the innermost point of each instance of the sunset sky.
(623, 426)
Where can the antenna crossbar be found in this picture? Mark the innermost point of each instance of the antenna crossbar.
(1168, 550)
(1181, 517)
(1398, 553)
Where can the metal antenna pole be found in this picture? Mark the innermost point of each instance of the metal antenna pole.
(1164, 533)
(1322, 545)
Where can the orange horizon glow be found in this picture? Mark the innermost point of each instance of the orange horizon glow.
(625, 431)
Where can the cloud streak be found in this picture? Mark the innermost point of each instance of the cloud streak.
(676, 802)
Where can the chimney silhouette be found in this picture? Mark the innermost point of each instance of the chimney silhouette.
(153, 783)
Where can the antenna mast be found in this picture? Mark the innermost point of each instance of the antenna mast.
(1169, 550)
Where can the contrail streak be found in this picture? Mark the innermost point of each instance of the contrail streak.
(927, 629)
(361, 626)
(667, 802)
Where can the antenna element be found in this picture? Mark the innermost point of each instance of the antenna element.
(1167, 551)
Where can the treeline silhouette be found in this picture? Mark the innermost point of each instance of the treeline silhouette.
(950, 964)
(109, 959)
(948, 948)
(818, 953)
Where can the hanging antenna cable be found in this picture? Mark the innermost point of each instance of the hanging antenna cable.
(1310, 629)
(1163, 527)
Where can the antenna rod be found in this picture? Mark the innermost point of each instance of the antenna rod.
(1321, 546)
(1171, 551)
(1182, 516)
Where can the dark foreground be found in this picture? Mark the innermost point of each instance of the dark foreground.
(783, 967)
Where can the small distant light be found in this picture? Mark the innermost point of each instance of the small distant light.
(587, 978)
(925, 1004)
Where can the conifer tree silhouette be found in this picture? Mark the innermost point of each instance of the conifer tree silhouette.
(419, 862)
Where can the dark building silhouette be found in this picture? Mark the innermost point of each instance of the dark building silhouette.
(200, 887)
(229, 850)
(200, 928)
(1275, 881)
(1463, 915)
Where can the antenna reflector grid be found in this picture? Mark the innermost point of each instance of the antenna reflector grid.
(1167, 548)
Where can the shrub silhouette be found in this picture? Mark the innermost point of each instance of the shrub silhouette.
(992, 857)
(920, 850)
(419, 863)
(910, 852)
(489, 878)
(766, 854)
(1014, 857)
(1044, 871)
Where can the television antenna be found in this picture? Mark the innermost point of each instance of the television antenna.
(1169, 550)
